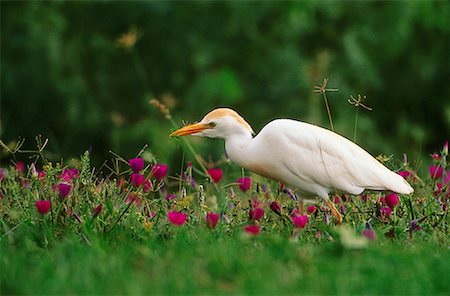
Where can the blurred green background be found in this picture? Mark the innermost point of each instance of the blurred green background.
(72, 72)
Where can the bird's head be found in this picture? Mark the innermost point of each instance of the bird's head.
(219, 123)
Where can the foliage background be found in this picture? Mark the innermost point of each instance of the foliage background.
(63, 75)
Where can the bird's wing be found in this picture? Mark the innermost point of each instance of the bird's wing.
(317, 160)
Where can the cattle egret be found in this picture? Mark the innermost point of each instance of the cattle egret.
(312, 159)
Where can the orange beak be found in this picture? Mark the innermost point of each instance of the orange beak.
(190, 129)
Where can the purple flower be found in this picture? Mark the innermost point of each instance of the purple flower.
(177, 218)
(136, 164)
(43, 206)
(137, 180)
(212, 219)
(289, 192)
(245, 183)
(64, 189)
(159, 171)
(391, 200)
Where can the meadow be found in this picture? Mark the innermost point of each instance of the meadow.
(134, 226)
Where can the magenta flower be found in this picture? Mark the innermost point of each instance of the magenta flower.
(64, 189)
(391, 200)
(137, 180)
(445, 148)
(136, 164)
(20, 167)
(368, 232)
(253, 230)
(170, 196)
(311, 209)
(148, 186)
(120, 183)
(244, 183)
(256, 213)
(385, 213)
(159, 171)
(215, 174)
(299, 221)
(133, 197)
(43, 206)
(177, 218)
(436, 171)
(274, 206)
(404, 174)
(68, 174)
(212, 219)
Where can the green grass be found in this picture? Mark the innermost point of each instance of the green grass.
(202, 263)
(134, 249)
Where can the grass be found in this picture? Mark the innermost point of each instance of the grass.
(201, 263)
(106, 233)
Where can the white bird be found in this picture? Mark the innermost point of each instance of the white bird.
(312, 159)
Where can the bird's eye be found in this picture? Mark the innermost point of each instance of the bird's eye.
(212, 124)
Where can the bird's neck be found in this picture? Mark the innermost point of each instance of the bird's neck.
(238, 147)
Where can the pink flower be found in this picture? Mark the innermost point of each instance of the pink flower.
(385, 213)
(136, 164)
(97, 211)
(436, 156)
(274, 206)
(369, 233)
(404, 174)
(311, 209)
(253, 230)
(170, 196)
(216, 174)
(212, 219)
(256, 213)
(133, 197)
(148, 186)
(159, 170)
(391, 200)
(336, 199)
(435, 171)
(446, 178)
(177, 218)
(64, 189)
(137, 180)
(445, 148)
(20, 167)
(244, 183)
(68, 174)
(299, 221)
(120, 183)
(43, 206)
